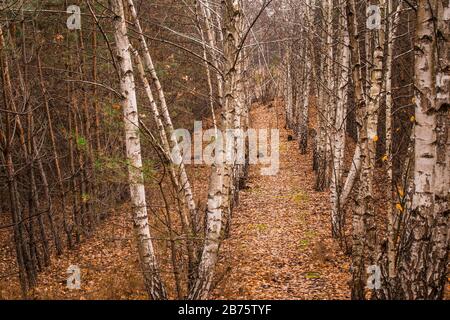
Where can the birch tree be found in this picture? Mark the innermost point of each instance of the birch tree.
(154, 286)
(184, 182)
(424, 252)
(339, 130)
(222, 171)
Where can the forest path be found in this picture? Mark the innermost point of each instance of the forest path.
(280, 245)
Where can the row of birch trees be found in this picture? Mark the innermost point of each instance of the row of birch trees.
(98, 131)
(222, 29)
(88, 116)
(376, 74)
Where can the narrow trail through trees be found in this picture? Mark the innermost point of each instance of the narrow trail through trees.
(123, 158)
(280, 245)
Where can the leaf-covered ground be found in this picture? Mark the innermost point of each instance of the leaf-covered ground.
(280, 245)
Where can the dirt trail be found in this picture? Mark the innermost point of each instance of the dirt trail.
(280, 245)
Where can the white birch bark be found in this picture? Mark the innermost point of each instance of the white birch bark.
(184, 180)
(202, 285)
(368, 164)
(331, 98)
(414, 285)
(212, 43)
(425, 151)
(360, 101)
(353, 173)
(440, 233)
(147, 257)
(304, 105)
(219, 194)
(288, 89)
(322, 108)
(339, 133)
(369, 138)
(422, 266)
(358, 231)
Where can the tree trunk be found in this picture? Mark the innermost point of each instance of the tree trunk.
(154, 286)
(339, 134)
(423, 260)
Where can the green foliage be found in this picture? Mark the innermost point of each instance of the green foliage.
(161, 72)
(81, 142)
(148, 169)
(111, 169)
(299, 197)
(261, 227)
(312, 275)
(304, 243)
(85, 197)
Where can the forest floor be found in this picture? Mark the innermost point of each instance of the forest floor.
(280, 245)
(279, 248)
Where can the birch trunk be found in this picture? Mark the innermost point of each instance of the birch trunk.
(219, 196)
(323, 141)
(202, 285)
(440, 234)
(304, 119)
(331, 93)
(288, 89)
(304, 105)
(358, 231)
(423, 263)
(368, 165)
(149, 267)
(173, 174)
(339, 134)
(232, 32)
(212, 42)
(184, 180)
(353, 173)
(413, 267)
(369, 138)
(360, 102)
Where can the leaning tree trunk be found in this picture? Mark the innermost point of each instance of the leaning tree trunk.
(184, 180)
(172, 169)
(154, 286)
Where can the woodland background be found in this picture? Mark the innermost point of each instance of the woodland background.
(359, 90)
